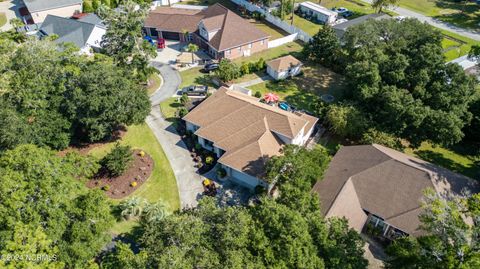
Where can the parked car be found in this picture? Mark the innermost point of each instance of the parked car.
(347, 14)
(210, 67)
(195, 90)
(340, 10)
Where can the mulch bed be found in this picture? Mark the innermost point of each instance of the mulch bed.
(119, 187)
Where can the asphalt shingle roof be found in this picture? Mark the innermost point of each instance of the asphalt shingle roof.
(68, 30)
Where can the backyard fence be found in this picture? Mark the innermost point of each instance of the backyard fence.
(300, 34)
(283, 40)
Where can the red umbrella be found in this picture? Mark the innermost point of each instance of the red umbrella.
(270, 97)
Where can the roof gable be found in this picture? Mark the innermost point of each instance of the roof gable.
(68, 30)
(40, 5)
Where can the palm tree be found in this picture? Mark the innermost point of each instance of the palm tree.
(154, 212)
(192, 48)
(132, 207)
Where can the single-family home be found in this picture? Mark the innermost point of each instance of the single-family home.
(341, 28)
(85, 31)
(39, 9)
(284, 67)
(216, 29)
(244, 133)
(378, 187)
(317, 12)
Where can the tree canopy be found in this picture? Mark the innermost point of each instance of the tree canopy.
(46, 210)
(398, 78)
(453, 236)
(51, 96)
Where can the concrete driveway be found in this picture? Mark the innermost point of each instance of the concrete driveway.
(169, 54)
(189, 182)
(10, 8)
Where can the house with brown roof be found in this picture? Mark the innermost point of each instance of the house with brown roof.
(375, 186)
(284, 67)
(244, 133)
(218, 30)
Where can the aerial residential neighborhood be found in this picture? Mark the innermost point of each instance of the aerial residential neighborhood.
(239, 134)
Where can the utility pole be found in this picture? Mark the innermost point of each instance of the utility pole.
(293, 10)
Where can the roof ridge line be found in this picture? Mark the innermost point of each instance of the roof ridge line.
(403, 213)
(254, 122)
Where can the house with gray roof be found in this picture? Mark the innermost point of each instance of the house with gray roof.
(40, 9)
(380, 188)
(85, 32)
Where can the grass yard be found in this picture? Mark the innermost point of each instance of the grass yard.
(3, 19)
(455, 45)
(304, 91)
(194, 76)
(154, 82)
(160, 186)
(169, 107)
(463, 13)
(453, 160)
(269, 28)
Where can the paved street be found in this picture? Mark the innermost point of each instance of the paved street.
(475, 35)
(10, 8)
(188, 181)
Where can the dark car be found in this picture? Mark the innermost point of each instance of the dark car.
(210, 67)
(195, 90)
(347, 14)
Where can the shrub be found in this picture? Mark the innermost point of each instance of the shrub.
(252, 66)
(221, 173)
(106, 187)
(184, 99)
(141, 153)
(227, 70)
(181, 112)
(133, 184)
(198, 146)
(209, 160)
(260, 64)
(259, 189)
(258, 94)
(117, 160)
(245, 68)
(372, 136)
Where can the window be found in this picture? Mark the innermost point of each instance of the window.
(262, 42)
(227, 52)
(250, 45)
(239, 49)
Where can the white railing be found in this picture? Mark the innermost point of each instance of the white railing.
(275, 20)
(283, 40)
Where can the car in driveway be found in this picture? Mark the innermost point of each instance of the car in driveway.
(195, 90)
(210, 67)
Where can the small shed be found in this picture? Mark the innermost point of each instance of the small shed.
(284, 67)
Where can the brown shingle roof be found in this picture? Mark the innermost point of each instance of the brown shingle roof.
(233, 30)
(283, 63)
(245, 128)
(173, 19)
(388, 183)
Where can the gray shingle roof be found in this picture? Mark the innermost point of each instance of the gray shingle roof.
(40, 5)
(92, 19)
(68, 30)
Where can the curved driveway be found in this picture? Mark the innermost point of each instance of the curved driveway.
(189, 183)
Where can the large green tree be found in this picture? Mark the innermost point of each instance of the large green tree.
(453, 241)
(45, 210)
(324, 48)
(398, 76)
(123, 40)
(48, 95)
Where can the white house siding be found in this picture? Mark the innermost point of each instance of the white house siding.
(62, 12)
(325, 16)
(273, 73)
(283, 74)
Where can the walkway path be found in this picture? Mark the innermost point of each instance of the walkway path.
(475, 35)
(189, 183)
(254, 81)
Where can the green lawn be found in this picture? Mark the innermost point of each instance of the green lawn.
(169, 107)
(154, 82)
(305, 90)
(463, 13)
(3, 19)
(269, 28)
(456, 161)
(160, 186)
(455, 45)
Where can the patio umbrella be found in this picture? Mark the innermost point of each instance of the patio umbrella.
(270, 97)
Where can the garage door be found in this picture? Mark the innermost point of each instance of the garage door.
(244, 179)
(171, 35)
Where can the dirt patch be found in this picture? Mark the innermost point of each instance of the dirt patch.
(119, 187)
